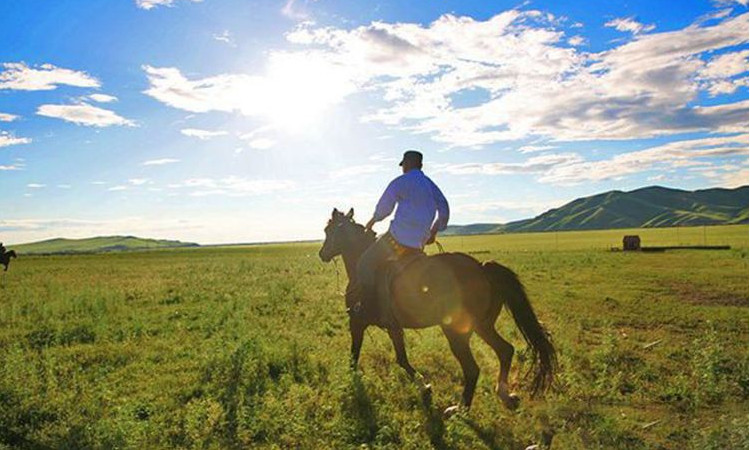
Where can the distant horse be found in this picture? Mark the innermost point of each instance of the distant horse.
(5, 258)
(456, 292)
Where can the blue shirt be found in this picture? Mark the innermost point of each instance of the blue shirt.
(418, 200)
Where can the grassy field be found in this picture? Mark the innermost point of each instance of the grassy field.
(248, 347)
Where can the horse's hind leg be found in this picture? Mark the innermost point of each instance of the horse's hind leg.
(459, 343)
(504, 351)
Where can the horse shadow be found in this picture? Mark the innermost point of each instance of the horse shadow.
(360, 408)
(434, 424)
(435, 428)
(362, 414)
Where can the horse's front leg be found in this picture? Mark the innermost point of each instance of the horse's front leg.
(357, 330)
(397, 337)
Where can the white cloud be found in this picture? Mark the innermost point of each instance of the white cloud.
(535, 85)
(571, 169)
(295, 87)
(103, 98)
(118, 188)
(17, 165)
(254, 140)
(83, 114)
(159, 162)
(641, 88)
(537, 164)
(226, 38)
(735, 178)
(19, 76)
(7, 139)
(4, 117)
(357, 171)
(36, 186)
(149, 4)
(232, 186)
(138, 181)
(292, 10)
(218, 93)
(718, 87)
(672, 155)
(261, 143)
(576, 40)
(202, 134)
(535, 148)
(724, 73)
(64, 186)
(730, 2)
(534, 207)
(628, 24)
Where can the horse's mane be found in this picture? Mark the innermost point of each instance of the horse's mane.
(369, 235)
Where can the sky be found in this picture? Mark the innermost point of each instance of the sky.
(224, 121)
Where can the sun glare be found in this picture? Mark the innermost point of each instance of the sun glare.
(300, 89)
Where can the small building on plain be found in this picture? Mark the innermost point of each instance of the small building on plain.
(631, 243)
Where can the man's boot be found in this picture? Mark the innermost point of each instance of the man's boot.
(355, 302)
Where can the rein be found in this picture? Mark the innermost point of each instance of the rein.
(350, 285)
(338, 280)
(338, 283)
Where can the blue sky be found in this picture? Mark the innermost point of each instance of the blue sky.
(240, 121)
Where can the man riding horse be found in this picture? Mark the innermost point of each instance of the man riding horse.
(5, 256)
(451, 290)
(413, 227)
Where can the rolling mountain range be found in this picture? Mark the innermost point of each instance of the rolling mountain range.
(647, 207)
(653, 206)
(97, 245)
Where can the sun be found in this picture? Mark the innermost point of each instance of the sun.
(301, 88)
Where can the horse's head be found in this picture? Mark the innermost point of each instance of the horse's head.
(343, 233)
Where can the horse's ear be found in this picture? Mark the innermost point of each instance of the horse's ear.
(350, 214)
(334, 212)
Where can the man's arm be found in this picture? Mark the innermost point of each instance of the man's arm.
(443, 213)
(386, 203)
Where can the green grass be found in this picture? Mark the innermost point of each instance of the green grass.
(555, 241)
(248, 347)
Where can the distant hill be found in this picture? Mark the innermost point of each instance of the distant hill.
(654, 206)
(96, 245)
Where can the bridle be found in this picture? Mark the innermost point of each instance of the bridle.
(337, 227)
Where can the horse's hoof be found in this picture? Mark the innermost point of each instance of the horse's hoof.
(451, 411)
(512, 401)
(426, 391)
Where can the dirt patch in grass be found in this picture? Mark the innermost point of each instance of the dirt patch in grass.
(697, 295)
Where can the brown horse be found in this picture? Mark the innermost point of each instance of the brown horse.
(456, 292)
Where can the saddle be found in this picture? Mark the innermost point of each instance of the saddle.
(404, 257)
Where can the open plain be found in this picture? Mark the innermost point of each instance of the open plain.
(242, 347)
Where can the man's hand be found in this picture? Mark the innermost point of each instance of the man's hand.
(370, 224)
(431, 239)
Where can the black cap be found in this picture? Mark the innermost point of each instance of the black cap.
(413, 156)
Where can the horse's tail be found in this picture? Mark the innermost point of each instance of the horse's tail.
(505, 285)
